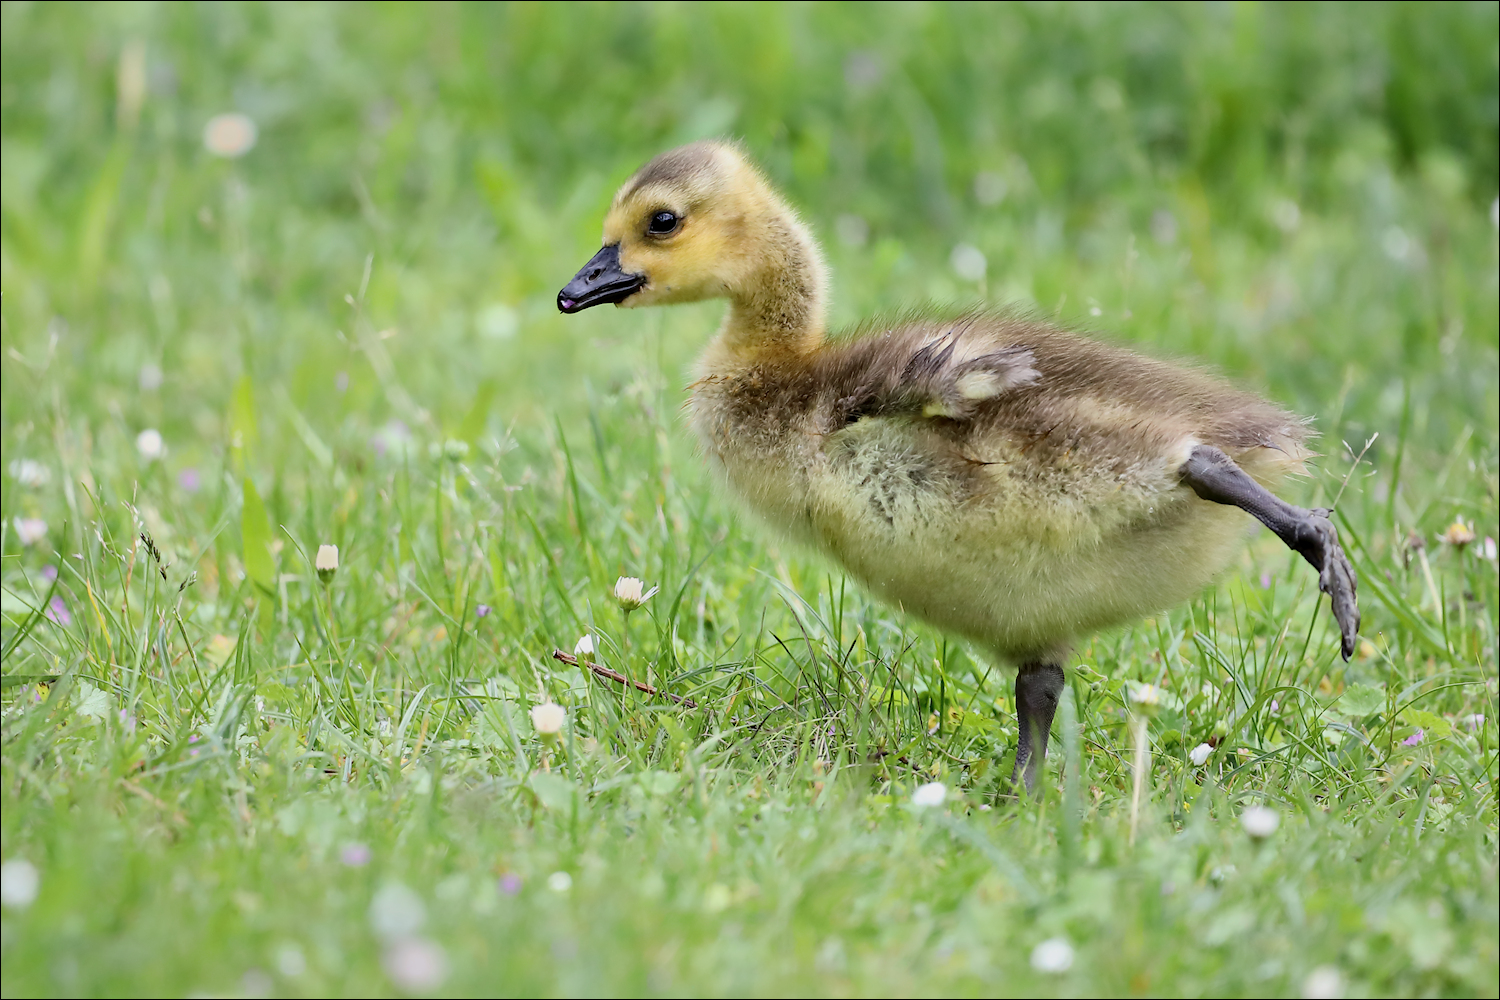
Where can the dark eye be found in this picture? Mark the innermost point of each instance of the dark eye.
(662, 223)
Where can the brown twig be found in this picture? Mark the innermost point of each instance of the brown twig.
(620, 678)
(176, 815)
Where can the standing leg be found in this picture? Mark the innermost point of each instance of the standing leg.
(1214, 476)
(1038, 686)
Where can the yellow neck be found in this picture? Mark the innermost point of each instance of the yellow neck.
(779, 308)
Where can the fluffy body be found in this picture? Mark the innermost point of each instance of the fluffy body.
(1039, 503)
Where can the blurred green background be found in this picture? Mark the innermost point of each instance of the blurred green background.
(228, 777)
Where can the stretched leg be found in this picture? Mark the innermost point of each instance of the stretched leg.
(1214, 476)
(1038, 686)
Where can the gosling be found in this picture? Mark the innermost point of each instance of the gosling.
(1003, 479)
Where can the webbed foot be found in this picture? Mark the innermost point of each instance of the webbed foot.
(1314, 537)
(1214, 476)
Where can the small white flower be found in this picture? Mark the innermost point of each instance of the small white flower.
(290, 961)
(415, 964)
(229, 135)
(1145, 695)
(29, 473)
(968, 262)
(396, 912)
(852, 230)
(628, 591)
(559, 881)
(30, 530)
(989, 188)
(1260, 822)
(1164, 227)
(1286, 214)
(498, 321)
(547, 719)
(1396, 244)
(1323, 983)
(1491, 552)
(1199, 754)
(326, 562)
(1459, 533)
(1052, 955)
(931, 794)
(584, 647)
(19, 883)
(394, 439)
(255, 983)
(150, 444)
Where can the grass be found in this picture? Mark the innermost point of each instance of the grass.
(232, 777)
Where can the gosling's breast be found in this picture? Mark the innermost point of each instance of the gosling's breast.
(761, 448)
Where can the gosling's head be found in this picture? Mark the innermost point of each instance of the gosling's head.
(698, 222)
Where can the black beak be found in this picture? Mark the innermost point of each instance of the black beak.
(599, 281)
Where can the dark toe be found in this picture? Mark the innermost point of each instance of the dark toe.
(1336, 579)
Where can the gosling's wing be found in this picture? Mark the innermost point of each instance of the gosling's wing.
(952, 374)
(941, 371)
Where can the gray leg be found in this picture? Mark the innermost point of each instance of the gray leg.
(1038, 686)
(1214, 476)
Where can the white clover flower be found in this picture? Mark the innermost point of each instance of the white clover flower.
(1145, 695)
(934, 793)
(559, 881)
(1396, 244)
(150, 444)
(628, 591)
(1164, 227)
(1150, 699)
(547, 719)
(852, 230)
(1200, 754)
(230, 135)
(1260, 822)
(396, 912)
(19, 883)
(989, 187)
(1286, 214)
(1323, 983)
(1053, 955)
(255, 983)
(326, 562)
(968, 262)
(394, 439)
(584, 647)
(497, 321)
(29, 473)
(30, 530)
(415, 964)
(290, 961)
